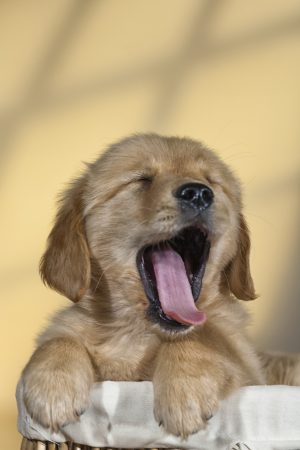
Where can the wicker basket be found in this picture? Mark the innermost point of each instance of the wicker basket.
(44, 445)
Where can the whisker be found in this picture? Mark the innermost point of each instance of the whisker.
(226, 278)
(103, 271)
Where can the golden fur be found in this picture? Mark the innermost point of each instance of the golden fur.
(122, 202)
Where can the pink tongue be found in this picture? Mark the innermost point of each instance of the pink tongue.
(174, 289)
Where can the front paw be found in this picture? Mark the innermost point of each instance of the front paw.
(184, 406)
(55, 397)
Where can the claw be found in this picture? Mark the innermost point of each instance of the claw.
(80, 412)
(209, 416)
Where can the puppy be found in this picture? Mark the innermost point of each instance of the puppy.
(151, 246)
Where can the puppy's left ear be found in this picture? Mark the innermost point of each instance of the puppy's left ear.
(237, 272)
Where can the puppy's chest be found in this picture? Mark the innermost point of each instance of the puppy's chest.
(125, 358)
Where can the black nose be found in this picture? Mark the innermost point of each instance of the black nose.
(195, 195)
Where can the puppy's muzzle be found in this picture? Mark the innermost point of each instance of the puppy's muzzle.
(194, 196)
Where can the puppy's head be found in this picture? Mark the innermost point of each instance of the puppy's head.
(155, 224)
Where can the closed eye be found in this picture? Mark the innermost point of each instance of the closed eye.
(146, 178)
(212, 181)
(143, 178)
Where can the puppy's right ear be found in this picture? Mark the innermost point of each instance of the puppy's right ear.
(65, 265)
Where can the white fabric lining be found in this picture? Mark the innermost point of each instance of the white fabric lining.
(121, 415)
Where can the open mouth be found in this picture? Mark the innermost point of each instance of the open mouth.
(172, 272)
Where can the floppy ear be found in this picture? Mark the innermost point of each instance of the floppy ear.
(238, 270)
(65, 265)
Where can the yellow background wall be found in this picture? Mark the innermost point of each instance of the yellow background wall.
(78, 74)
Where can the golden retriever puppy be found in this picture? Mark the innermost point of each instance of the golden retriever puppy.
(151, 245)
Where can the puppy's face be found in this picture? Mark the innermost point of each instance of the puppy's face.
(160, 220)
